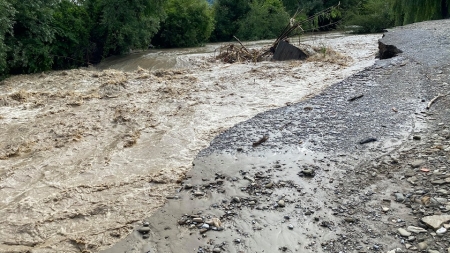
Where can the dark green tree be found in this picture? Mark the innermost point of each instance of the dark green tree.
(122, 25)
(6, 23)
(370, 16)
(29, 43)
(72, 46)
(265, 20)
(188, 23)
(227, 15)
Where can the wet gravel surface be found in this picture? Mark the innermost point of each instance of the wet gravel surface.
(362, 167)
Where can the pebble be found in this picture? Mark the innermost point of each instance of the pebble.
(281, 203)
(198, 194)
(441, 231)
(399, 197)
(417, 137)
(291, 226)
(433, 251)
(422, 245)
(403, 232)
(269, 185)
(143, 230)
(237, 240)
(197, 220)
(417, 163)
(216, 250)
(416, 229)
(411, 238)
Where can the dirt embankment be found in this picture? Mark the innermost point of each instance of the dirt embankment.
(87, 154)
(361, 167)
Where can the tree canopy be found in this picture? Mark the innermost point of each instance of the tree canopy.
(41, 35)
(188, 23)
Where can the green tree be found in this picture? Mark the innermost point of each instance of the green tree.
(71, 48)
(6, 23)
(188, 23)
(265, 20)
(370, 16)
(410, 11)
(122, 25)
(228, 14)
(29, 43)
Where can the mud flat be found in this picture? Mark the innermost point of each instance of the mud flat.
(85, 155)
(361, 167)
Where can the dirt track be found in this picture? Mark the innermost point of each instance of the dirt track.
(361, 167)
(85, 155)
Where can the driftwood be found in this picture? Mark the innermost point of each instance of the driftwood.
(232, 53)
(434, 100)
(355, 98)
(260, 141)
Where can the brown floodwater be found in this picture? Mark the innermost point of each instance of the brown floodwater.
(87, 153)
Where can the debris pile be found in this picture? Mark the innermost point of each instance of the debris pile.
(232, 53)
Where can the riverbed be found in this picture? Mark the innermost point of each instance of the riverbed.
(87, 153)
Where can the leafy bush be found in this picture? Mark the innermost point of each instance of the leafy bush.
(266, 19)
(370, 17)
(188, 23)
(227, 14)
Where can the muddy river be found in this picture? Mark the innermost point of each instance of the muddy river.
(87, 153)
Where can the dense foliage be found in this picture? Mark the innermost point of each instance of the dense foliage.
(376, 15)
(40, 35)
(265, 20)
(188, 23)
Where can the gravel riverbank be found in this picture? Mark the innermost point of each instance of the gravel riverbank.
(361, 167)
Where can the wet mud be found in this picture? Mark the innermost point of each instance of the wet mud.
(87, 154)
(360, 167)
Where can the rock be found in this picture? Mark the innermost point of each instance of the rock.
(411, 239)
(197, 220)
(236, 199)
(237, 240)
(216, 250)
(433, 251)
(417, 163)
(436, 221)
(385, 209)
(448, 250)
(422, 245)
(269, 185)
(216, 222)
(416, 229)
(441, 231)
(281, 203)
(308, 172)
(412, 180)
(198, 193)
(417, 137)
(438, 182)
(205, 226)
(146, 224)
(399, 197)
(143, 230)
(290, 226)
(403, 232)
